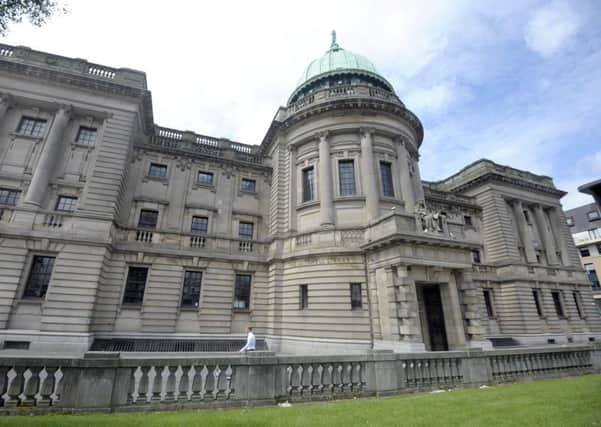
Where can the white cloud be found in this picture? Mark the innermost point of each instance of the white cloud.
(433, 99)
(551, 27)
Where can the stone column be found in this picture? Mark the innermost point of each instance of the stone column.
(419, 188)
(368, 173)
(326, 201)
(546, 235)
(406, 184)
(472, 306)
(556, 224)
(5, 104)
(518, 210)
(47, 161)
(293, 189)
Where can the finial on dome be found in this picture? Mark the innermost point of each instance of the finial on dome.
(334, 45)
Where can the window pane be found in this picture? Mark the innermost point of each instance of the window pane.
(200, 224)
(536, 296)
(157, 170)
(31, 127)
(67, 204)
(8, 197)
(191, 291)
(303, 297)
(39, 277)
(557, 302)
(476, 256)
(576, 296)
(205, 178)
(386, 175)
(245, 230)
(356, 301)
(346, 175)
(86, 136)
(585, 252)
(135, 285)
(148, 219)
(242, 292)
(307, 184)
(249, 185)
(488, 302)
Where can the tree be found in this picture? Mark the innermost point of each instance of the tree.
(38, 11)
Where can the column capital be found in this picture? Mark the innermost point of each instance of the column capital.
(323, 135)
(292, 148)
(66, 109)
(367, 131)
(7, 99)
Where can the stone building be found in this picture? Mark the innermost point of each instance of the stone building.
(323, 237)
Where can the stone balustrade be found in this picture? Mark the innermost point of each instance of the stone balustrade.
(130, 381)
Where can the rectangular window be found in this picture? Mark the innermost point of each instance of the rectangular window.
(570, 221)
(489, 303)
(242, 292)
(8, 197)
(200, 225)
(303, 297)
(308, 179)
(356, 300)
(157, 170)
(248, 185)
(592, 274)
(135, 285)
(245, 230)
(585, 252)
(66, 204)
(578, 303)
(205, 178)
(386, 176)
(476, 257)
(148, 219)
(191, 291)
(31, 127)
(467, 219)
(593, 215)
(39, 277)
(536, 294)
(346, 176)
(86, 135)
(557, 302)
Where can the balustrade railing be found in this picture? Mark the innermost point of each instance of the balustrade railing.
(197, 241)
(325, 379)
(53, 220)
(431, 373)
(144, 236)
(33, 385)
(6, 215)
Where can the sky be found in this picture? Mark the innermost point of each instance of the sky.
(517, 82)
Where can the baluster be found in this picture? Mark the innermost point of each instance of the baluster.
(209, 382)
(185, 392)
(328, 378)
(143, 382)
(3, 382)
(336, 378)
(15, 387)
(217, 390)
(316, 380)
(229, 373)
(57, 392)
(410, 365)
(170, 391)
(31, 386)
(157, 384)
(306, 380)
(289, 374)
(348, 378)
(356, 377)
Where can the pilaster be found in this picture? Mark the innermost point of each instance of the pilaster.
(406, 185)
(546, 235)
(326, 201)
(518, 210)
(368, 173)
(293, 189)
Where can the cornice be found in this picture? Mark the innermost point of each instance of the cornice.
(495, 177)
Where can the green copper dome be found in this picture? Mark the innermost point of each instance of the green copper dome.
(338, 66)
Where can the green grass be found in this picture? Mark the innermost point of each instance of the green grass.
(565, 402)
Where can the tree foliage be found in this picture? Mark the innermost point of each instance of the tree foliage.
(37, 11)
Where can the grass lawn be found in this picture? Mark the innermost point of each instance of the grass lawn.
(565, 402)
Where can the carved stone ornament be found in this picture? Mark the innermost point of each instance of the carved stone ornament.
(430, 220)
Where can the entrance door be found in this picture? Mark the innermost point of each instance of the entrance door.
(435, 318)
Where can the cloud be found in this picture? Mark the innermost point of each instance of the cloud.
(434, 99)
(551, 27)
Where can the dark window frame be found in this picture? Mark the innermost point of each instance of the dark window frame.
(31, 126)
(476, 257)
(578, 303)
(356, 290)
(157, 170)
(248, 185)
(536, 294)
(144, 215)
(584, 252)
(86, 135)
(191, 289)
(558, 303)
(489, 302)
(308, 181)
(593, 215)
(66, 204)
(303, 297)
(243, 226)
(135, 285)
(205, 180)
(347, 182)
(467, 220)
(202, 229)
(386, 179)
(39, 277)
(242, 292)
(9, 196)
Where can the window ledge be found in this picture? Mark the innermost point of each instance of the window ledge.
(189, 309)
(163, 179)
(25, 136)
(131, 306)
(80, 145)
(32, 301)
(306, 205)
(241, 310)
(353, 198)
(210, 187)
